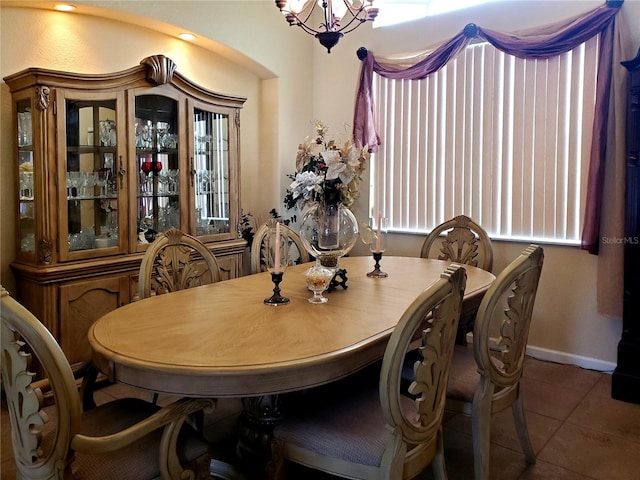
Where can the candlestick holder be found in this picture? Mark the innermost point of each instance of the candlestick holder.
(377, 243)
(377, 273)
(276, 299)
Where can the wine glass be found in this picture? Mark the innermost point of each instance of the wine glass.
(75, 181)
(162, 131)
(102, 181)
(174, 177)
(87, 182)
(318, 280)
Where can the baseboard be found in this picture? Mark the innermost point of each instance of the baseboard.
(562, 357)
(570, 359)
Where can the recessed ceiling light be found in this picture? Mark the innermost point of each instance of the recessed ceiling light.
(65, 7)
(187, 36)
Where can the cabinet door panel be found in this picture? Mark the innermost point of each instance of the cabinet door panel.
(91, 202)
(213, 140)
(228, 266)
(158, 166)
(82, 303)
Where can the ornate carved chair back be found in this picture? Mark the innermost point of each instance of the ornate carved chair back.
(176, 261)
(485, 376)
(57, 440)
(297, 255)
(464, 241)
(23, 336)
(372, 430)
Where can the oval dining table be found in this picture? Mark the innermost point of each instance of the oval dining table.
(222, 340)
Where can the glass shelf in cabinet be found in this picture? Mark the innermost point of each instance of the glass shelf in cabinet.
(92, 197)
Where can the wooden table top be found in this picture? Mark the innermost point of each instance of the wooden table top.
(222, 340)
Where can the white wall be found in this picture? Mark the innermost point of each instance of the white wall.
(290, 80)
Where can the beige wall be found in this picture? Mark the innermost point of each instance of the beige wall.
(115, 41)
(566, 326)
(246, 48)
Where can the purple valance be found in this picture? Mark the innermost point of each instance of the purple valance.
(542, 42)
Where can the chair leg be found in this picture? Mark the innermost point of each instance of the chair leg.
(437, 464)
(521, 428)
(481, 429)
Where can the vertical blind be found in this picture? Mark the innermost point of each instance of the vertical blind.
(500, 139)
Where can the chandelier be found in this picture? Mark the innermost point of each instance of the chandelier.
(340, 17)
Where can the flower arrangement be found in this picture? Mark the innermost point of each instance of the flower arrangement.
(325, 171)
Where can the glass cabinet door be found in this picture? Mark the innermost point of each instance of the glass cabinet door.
(26, 191)
(91, 171)
(210, 172)
(157, 164)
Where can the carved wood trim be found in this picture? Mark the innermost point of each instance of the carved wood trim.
(42, 97)
(46, 251)
(160, 69)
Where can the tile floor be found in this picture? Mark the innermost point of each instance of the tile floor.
(578, 431)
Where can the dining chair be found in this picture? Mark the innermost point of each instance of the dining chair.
(462, 241)
(485, 375)
(127, 438)
(373, 431)
(176, 261)
(296, 255)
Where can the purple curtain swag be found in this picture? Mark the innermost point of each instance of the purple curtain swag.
(540, 43)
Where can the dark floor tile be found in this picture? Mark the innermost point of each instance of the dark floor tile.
(545, 471)
(540, 428)
(567, 376)
(604, 414)
(505, 463)
(503, 432)
(602, 387)
(592, 453)
(580, 432)
(550, 399)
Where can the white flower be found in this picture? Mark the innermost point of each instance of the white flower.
(344, 168)
(326, 169)
(305, 185)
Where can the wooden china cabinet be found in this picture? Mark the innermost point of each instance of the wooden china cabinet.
(105, 163)
(625, 381)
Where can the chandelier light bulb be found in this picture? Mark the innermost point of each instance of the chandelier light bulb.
(340, 17)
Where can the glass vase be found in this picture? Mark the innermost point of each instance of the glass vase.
(328, 231)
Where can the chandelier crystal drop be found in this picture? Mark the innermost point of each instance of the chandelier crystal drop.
(340, 17)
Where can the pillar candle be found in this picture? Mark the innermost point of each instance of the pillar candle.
(276, 266)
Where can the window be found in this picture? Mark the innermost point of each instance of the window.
(503, 140)
(393, 12)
